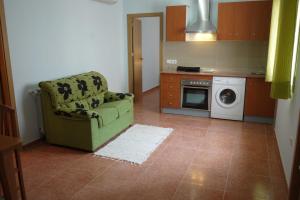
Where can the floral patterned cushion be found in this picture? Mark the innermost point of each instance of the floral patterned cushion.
(75, 88)
(82, 104)
(79, 113)
(112, 96)
(95, 101)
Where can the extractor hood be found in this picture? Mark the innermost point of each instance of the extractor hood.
(200, 27)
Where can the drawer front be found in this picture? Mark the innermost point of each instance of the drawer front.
(170, 102)
(169, 78)
(170, 96)
(168, 87)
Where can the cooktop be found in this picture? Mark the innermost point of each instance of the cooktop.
(188, 69)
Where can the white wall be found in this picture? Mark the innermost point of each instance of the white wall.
(56, 38)
(286, 127)
(150, 51)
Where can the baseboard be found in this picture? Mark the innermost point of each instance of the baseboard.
(30, 144)
(282, 168)
(263, 120)
(151, 90)
(189, 112)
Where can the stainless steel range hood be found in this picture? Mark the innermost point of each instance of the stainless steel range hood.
(200, 27)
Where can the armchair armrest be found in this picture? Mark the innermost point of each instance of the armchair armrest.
(112, 96)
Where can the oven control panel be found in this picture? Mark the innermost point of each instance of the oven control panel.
(196, 83)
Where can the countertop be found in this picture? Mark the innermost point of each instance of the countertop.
(218, 73)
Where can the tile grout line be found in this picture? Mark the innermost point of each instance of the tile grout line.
(146, 168)
(269, 163)
(181, 181)
(93, 179)
(228, 173)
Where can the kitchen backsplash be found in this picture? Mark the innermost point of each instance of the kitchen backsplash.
(245, 56)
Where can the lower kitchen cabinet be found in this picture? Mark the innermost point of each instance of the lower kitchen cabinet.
(170, 91)
(258, 102)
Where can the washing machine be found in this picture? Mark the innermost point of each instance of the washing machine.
(227, 100)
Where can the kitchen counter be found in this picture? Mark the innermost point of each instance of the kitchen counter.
(217, 73)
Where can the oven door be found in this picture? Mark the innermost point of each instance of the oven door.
(195, 97)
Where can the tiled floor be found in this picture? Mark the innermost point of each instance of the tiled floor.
(202, 159)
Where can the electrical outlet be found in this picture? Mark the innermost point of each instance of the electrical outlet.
(169, 61)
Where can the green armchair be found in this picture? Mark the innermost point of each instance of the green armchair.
(80, 112)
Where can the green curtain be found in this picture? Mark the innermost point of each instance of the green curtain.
(281, 46)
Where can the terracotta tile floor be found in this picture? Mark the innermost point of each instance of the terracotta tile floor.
(203, 159)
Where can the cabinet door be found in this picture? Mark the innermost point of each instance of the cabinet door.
(241, 21)
(170, 91)
(257, 99)
(175, 23)
(244, 20)
(226, 21)
(260, 20)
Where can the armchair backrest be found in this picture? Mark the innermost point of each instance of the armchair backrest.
(79, 88)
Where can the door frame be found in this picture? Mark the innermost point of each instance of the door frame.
(130, 18)
(294, 192)
(6, 72)
(8, 95)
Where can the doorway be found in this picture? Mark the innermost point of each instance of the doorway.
(145, 43)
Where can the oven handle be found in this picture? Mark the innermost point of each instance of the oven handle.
(196, 87)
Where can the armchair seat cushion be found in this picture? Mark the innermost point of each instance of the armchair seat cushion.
(107, 115)
(122, 106)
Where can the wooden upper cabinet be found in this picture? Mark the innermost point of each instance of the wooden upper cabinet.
(175, 23)
(241, 21)
(260, 21)
(225, 22)
(244, 20)
(257, 99)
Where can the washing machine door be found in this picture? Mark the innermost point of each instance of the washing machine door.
(227, 97)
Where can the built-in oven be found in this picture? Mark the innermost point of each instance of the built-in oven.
(196, 94)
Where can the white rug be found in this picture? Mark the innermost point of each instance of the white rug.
(136, 144)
